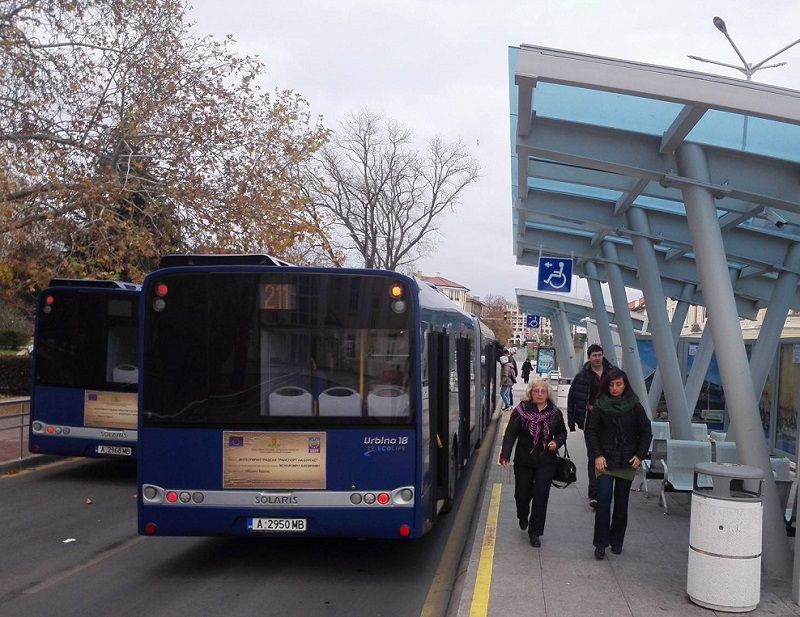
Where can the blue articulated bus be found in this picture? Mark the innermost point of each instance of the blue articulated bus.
(304, 401)
(84, 392)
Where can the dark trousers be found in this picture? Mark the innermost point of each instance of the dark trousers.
(531, 492)
(591, 473)
(609, 529)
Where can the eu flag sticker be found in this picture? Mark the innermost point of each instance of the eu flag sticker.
(92, 397)
(235, 441)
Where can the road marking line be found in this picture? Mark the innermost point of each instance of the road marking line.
(483, 582)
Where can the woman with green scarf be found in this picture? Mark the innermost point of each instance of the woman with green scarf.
(618, 437)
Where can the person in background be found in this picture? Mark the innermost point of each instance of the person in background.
(513, 363)
(537, 427)
(527, 367)
(582, 392)
(618, 435)
(506, 380)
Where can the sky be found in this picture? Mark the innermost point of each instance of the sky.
(440, 67)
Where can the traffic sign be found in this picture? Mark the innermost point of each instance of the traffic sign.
(555, 274)
(532, 321)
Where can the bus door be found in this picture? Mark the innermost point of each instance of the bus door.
(464, 396)
(438, 391)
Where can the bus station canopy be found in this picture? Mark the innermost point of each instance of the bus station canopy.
(592, 137)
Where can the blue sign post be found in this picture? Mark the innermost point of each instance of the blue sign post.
(555, 274)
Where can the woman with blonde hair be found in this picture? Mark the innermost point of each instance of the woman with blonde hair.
(537, 427)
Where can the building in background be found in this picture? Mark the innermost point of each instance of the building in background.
(455, 291)
(520, 333)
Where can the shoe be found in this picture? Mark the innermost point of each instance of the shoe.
(616, 550)
(523, 523)
(535, 541)
(599, 553)
(592, 503)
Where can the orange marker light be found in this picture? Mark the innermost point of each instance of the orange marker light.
(396, 291)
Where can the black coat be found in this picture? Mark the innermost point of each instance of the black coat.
(580, 394)
(517, 431)
(619, 438)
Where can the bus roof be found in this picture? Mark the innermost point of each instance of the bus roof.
(96, 283)
(172, 261)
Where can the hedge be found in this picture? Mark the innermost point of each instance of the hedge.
(14, 339)
(15, 375)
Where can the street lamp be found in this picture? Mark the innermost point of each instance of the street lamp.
(747, 68)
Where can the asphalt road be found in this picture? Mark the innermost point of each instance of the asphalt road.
(69, 547)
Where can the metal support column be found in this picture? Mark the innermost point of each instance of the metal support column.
(663, 342)
(629, 361)
(780, 302)
(697, 374)
(712, 267)
(565, 346)
(676, 326)
(600, 314)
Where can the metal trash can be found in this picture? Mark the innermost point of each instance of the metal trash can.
(725, 537)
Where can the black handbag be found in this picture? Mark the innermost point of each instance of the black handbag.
(566, 473)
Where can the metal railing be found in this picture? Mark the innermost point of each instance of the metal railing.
(14, 421)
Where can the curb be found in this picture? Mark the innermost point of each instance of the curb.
(445, 585)
(34, 460)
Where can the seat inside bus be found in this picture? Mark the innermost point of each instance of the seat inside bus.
(387, 400)
(290, 401)
(339, 401)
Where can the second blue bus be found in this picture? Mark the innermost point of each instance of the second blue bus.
(84, 395)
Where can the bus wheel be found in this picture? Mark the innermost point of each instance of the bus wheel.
(452, 471)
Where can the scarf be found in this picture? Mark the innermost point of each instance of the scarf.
(612, 407)
(540, 423)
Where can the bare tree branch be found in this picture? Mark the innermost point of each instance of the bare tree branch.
(383, 196)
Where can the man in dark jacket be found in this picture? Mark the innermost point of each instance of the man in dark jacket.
(582, 393)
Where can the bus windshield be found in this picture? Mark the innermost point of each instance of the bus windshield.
(87, 340)
(251, 349)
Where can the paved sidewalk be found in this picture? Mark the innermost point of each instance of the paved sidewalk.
(563, 579)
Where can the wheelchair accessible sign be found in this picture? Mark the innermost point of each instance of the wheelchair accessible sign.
(555, 274)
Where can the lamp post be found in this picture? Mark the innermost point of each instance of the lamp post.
(746, 68)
